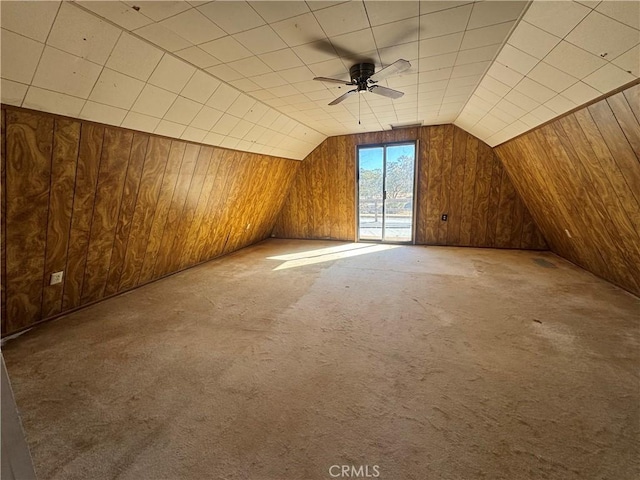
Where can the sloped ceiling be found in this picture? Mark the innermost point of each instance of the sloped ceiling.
(240, 74)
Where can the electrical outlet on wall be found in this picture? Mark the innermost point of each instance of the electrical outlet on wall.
(56, 278)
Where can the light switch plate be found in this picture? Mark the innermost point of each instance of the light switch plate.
(56, 278)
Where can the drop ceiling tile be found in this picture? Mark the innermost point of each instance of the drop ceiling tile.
(469, 69)
(437, 62)
(487, 95)
(212, 138)
(281, 59)
(608, 78)
(320, 95)
(492, 12)
(273, 11)
(31, 19)
(223, 97)
(530, 120)
(433, 75)
(544, 114)
(395, 33)
(601, 35)
(82, 34)
(299, 30)
(263, 95)
(573, 60)
(354, 43)
(509, 108)
(224, 73)
(65, 73)
(117, 12)
(484, 36)
(560, 104)
(134, 57)
(154, 101)
(439, 45)
(200, 87)
(230, 142)
(267, 81)
(171, 74)
(226, 49)
(445, 22)
(198, 57)
(183, 111)
(97, 112)
(629, 61)
(241, 106)
(163, 37)
(241, 129)
(250, 67)
(331, 68)
(558, 18)
(344, 18)
(580, 93)
(306, 86)
(260, 40)
(116, 89)
(479, 54)
(52, 102)
(295, 75)
(19, 57)
(551, 77)
(522, 101)
(232, 17)
(532, 40)
(225, 124)
(206, 118)
(138, 121)
(627, 12)
(159, 10)
(315, 52)
(169, 129)
(589, 3)
(246, 84)
(534, 90)
(406, 51)
(256, 112)
(516, 59)
(504, 74)
(385, 12)
(495, 86)
(465, 81)
(193, 26)
(194, 134)
(12, 92)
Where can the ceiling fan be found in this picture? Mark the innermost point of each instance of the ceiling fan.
(364, 78)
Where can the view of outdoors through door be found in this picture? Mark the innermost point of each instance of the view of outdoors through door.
(385, 192)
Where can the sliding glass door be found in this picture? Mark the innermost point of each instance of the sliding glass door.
(385, 192)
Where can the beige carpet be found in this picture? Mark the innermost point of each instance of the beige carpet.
(289, 357)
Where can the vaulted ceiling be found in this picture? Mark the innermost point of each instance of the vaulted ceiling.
(240, 74)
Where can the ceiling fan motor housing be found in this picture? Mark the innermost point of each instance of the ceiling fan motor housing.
(360, 74)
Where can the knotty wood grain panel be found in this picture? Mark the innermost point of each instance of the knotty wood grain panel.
(113, 209)
(455, 175)
(127, 209)
(29, 142)
(580, 174)
(88, 165)
(66, 141)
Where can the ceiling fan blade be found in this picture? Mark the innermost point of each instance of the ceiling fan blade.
(342, 98)
(333, 80)
(385, 92)
(396, 67)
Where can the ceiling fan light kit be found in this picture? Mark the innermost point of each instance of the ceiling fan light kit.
(365, 79)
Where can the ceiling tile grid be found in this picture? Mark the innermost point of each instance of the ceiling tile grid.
(240, 74)
(561, 55)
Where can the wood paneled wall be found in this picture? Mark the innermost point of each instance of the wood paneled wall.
(115, 209)
(457, 175)
(580, 177)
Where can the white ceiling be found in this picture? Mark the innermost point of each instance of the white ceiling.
(240, 74)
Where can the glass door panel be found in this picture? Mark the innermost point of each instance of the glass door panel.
(370, 193)
(398, 209)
